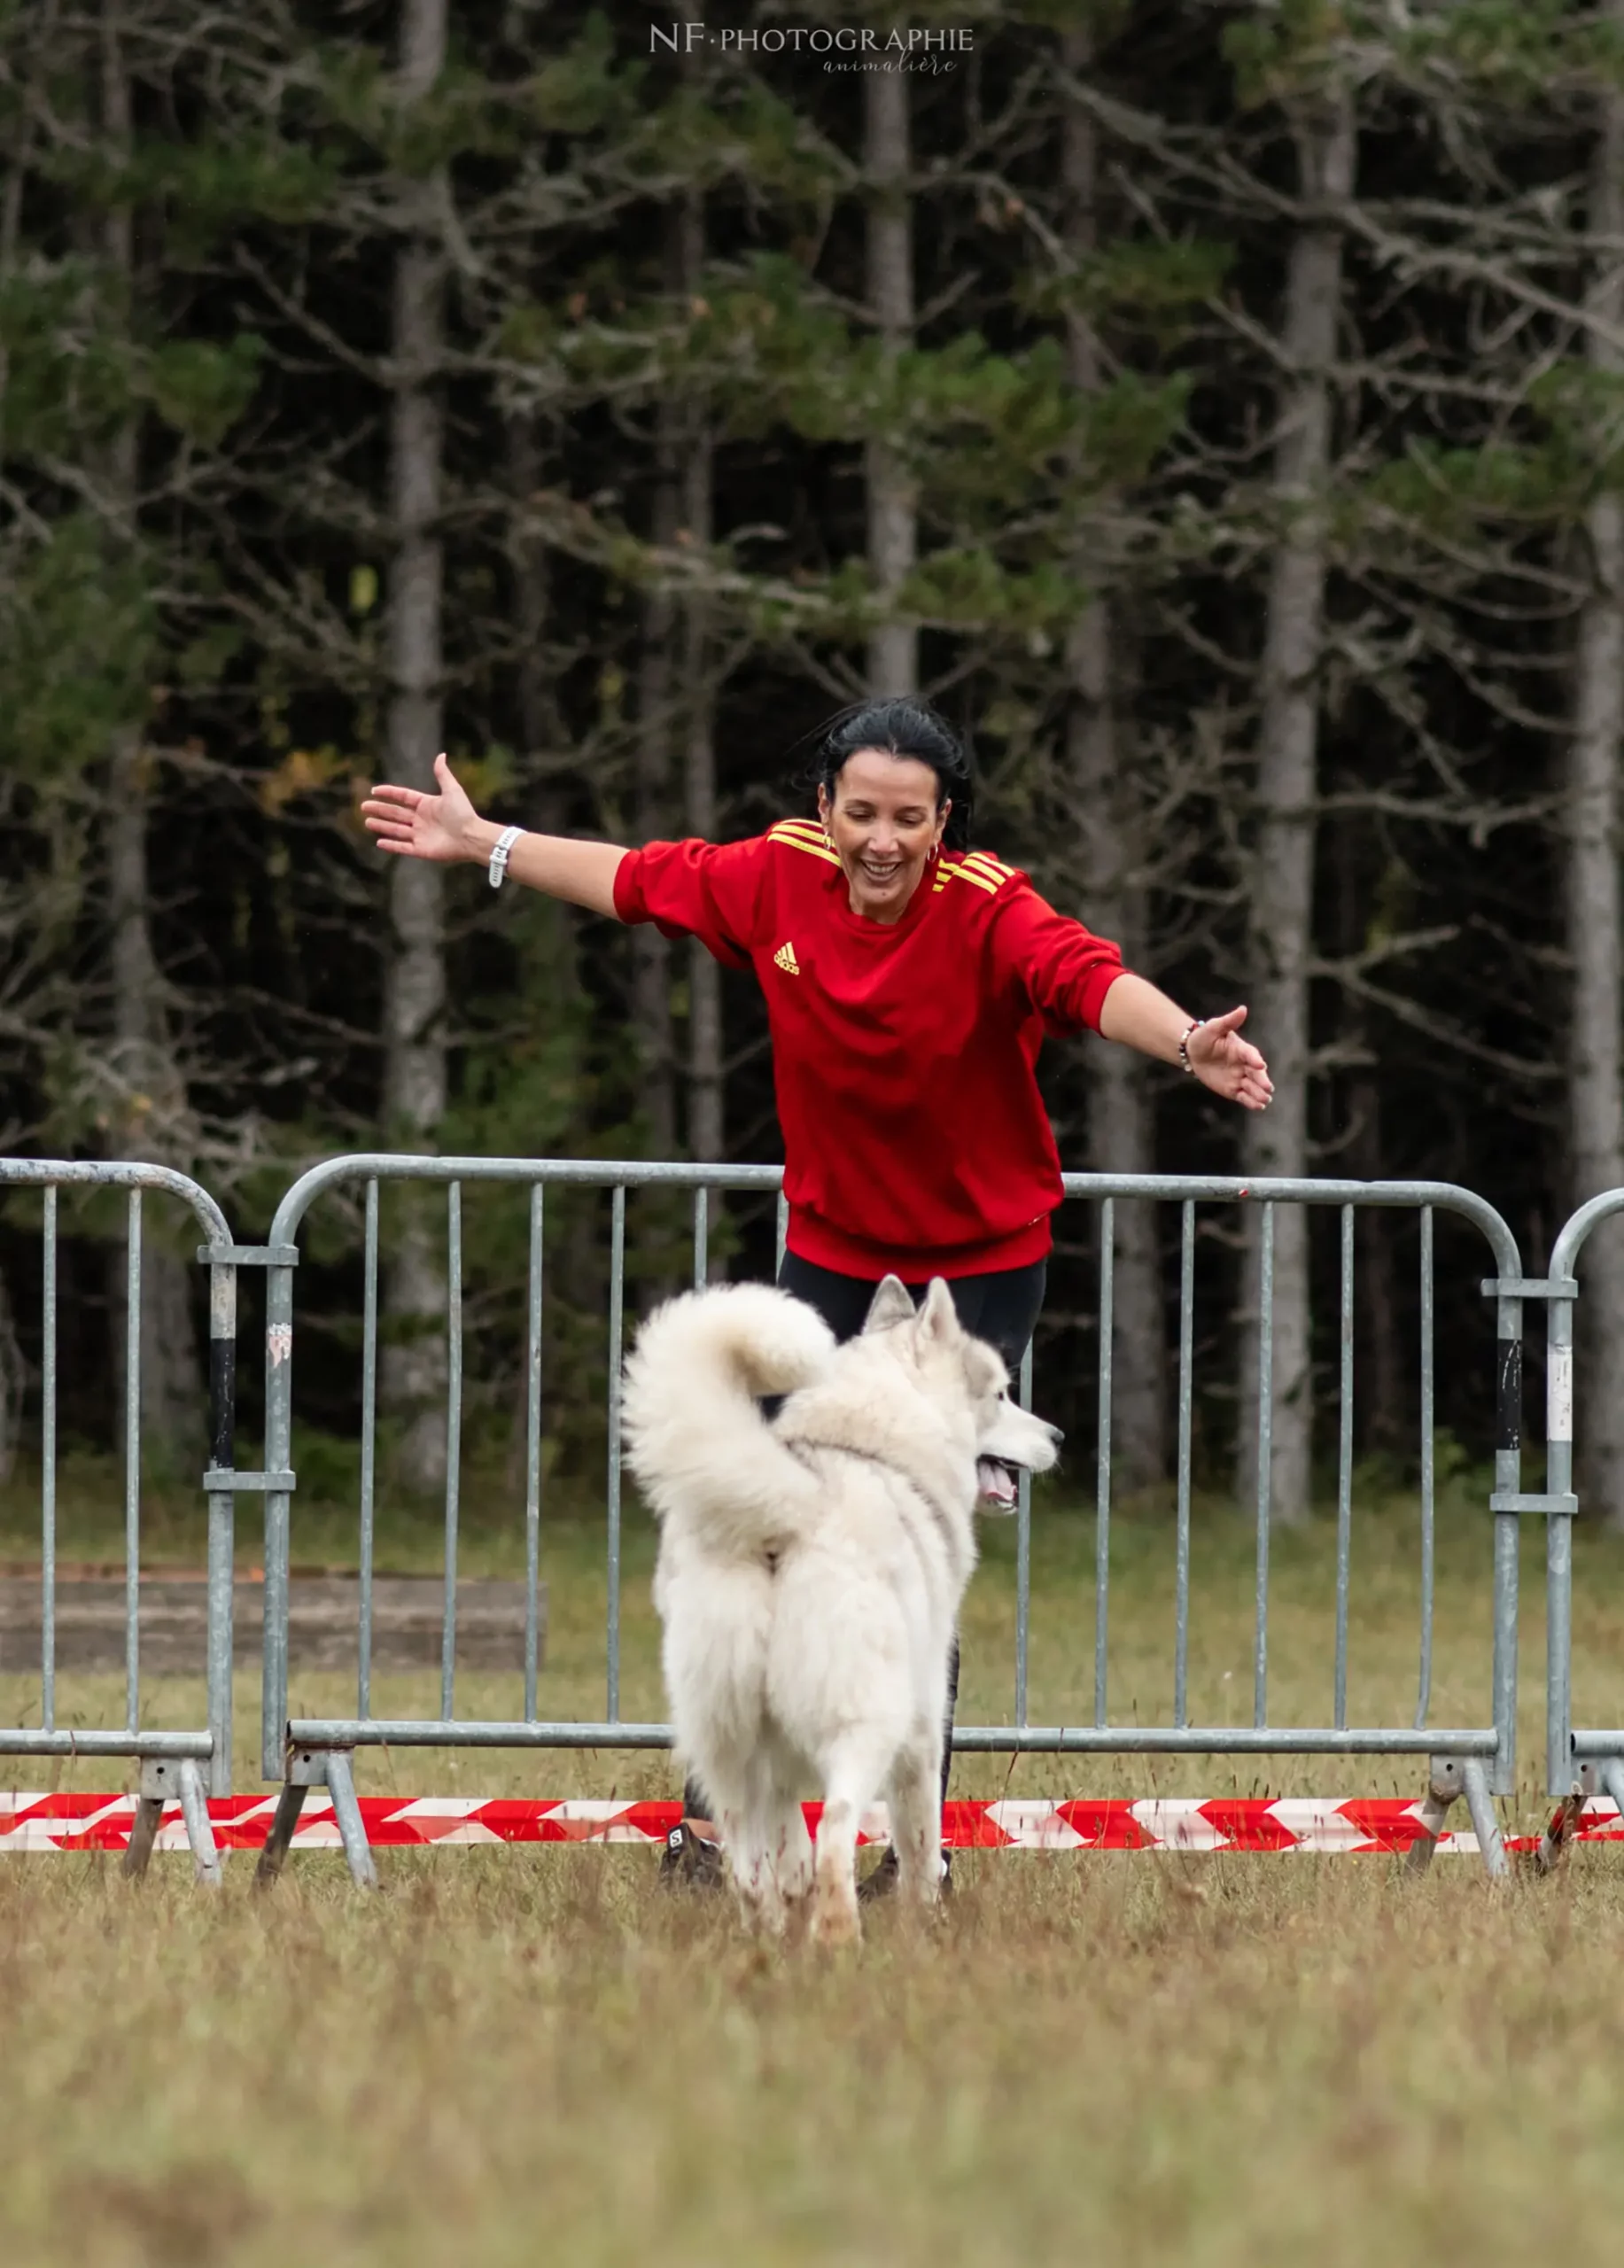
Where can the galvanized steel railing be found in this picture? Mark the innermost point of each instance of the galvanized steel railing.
(1591, 1754)
(184, 1762)
(1473, 1760)
(1496, 1740)
(307, 1752)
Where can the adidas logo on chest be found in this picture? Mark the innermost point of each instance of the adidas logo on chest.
(784, 958)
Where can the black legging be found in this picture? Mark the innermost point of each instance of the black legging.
(1002, 1309)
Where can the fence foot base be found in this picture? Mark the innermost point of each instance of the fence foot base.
(1555, 1840)
(352, 1828)
(289, 1805)
(329, 1769)
(1480, 1803)
(161, 1782)
(1452, 1777)
(149, 1811)
(1442, 1788)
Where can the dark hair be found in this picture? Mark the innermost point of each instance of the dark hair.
(904, 727)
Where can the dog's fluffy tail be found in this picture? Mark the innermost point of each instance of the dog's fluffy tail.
(693, 1386)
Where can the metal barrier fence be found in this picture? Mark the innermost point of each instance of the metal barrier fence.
(190, 1763)
(1587, 1755)
(315, 1752)
(1476, 1760)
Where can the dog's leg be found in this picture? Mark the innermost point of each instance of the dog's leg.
(916, 1824)
(853, 1776)
(792, 1852)
(752, 1831)
(754, 1873)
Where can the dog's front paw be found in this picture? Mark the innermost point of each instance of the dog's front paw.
(835, 1919)
(834, 1932)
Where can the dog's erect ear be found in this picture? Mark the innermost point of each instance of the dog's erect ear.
(889, 1306)
(938, 1318)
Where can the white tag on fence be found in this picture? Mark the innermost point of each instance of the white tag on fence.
(1559, 1395)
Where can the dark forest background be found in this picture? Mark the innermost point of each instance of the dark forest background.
(1217, 411)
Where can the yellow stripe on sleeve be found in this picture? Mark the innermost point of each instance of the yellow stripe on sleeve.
(969, 874)
(814, 849)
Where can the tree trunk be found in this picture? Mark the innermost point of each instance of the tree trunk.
(706, 1109)
(1596, 934)
(893, 645)
(1121, 1112)
(652, 1024)
(1275, 1142)
(150, 1118)
(542, 732)
(706, 1130)
(414, 1074)
(12, 1375)
(551, 969)
(13, 1382)
(651, 1012)
(541, 728)
(1384, 1404)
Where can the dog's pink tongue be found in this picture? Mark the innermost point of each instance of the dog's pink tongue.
(994, 1481)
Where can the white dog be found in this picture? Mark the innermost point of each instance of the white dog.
(811, 1568)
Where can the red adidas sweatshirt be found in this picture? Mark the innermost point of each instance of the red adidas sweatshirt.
(905, 1054)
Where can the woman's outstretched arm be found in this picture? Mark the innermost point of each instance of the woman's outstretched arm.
(448, 829)
(1078, 980)
(1136, 1013)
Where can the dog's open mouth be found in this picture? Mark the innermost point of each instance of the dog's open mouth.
(996, 1480)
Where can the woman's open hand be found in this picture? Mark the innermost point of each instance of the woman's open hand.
(1230, 1065)
(417, 825)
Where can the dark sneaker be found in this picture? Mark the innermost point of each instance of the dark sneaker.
(688, 1862)
(882, 1880)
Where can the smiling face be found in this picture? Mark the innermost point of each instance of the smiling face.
(884, 822)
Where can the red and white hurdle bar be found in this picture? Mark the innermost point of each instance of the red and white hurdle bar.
(34, 1824)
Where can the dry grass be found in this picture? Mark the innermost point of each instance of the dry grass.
(515, 2054)
(532, 2055)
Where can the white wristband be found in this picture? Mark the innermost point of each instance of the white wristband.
(499, 848)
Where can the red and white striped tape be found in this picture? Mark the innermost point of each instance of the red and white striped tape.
(38, 1823)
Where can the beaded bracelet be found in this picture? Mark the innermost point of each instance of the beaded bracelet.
(499, 848)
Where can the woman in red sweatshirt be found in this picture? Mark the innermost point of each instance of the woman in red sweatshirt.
(910, 982)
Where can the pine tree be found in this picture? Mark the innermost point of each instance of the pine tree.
(1109, 805)
(1595, 916)
(111, 430)
(415, 989)
(893, 534)
(1321, 108)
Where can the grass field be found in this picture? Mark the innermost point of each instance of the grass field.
(519, 2054)
(523, 2058)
